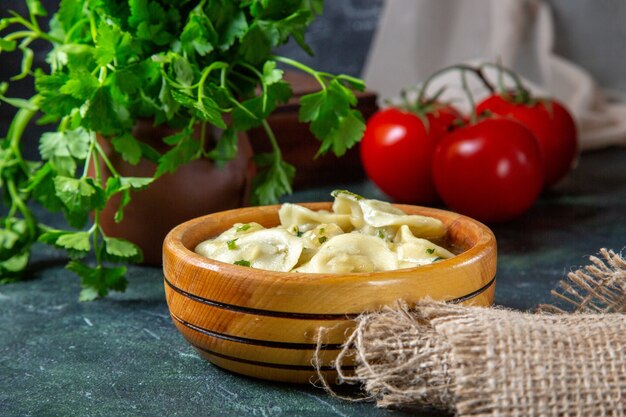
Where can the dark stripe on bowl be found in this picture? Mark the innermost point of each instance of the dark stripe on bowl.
(256, 342)
(273, 365)
(303, 316)
(479, 291)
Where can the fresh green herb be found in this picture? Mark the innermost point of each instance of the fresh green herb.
(430, 251)
(242, 228)
(437, 259)
(322, 239)
(242, 262)
(322, 230)
(297, 231)
(380, 234)
(184, 63)
(231, 244)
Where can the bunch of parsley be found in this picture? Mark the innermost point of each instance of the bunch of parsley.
(185, 63)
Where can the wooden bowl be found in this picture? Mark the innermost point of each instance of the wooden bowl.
(264, 323)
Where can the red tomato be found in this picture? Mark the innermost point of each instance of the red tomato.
(552, 125)
(490, 170)
(397, 150)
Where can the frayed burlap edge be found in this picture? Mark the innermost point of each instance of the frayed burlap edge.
(596, 288)
(485, 361)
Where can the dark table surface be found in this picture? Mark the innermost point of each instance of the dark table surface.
(123, 356)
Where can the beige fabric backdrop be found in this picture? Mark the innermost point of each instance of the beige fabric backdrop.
(416, 37)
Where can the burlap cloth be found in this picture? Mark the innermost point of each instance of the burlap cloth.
(475, 361)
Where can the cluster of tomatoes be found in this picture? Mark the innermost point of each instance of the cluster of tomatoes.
(491, 168)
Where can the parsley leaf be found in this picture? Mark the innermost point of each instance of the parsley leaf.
(199, 35)
(226, 147)
(243, 228)
(73, 143)
(97, 282)
(117, 250)
(332, 120)
(127, 146)
(79, 196)
(273, 180)
(124, 186)
(104, 115)
(185, 150)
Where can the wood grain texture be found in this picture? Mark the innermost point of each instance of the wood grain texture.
(264, 323)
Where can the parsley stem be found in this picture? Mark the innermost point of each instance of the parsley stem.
(64, 122)
(263, 85)
(273, 141)
(45, 36)
(92, 27)
(16, 130)
(106, 160)
(18, 35)
(301, 67)
(96, 246)
(17, 201)
(223, 77)
(21, 20)
(243, 108)
(88, 159)
(245, 77)
(74, 28)
(103, 75)
(33, 26)
(205, 73)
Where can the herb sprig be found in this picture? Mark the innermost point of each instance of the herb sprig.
(185, 63)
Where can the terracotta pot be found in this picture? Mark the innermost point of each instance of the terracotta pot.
(195, 189)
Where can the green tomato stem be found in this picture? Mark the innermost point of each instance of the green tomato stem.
(519, 85)
(462, 67)
(470, 97)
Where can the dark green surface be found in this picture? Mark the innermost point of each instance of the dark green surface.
(123, 356)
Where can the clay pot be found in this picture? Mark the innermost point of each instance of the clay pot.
(195, 189)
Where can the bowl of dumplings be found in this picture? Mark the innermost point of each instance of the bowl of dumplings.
(251, 288)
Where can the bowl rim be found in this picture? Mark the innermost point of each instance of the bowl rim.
(174, 243)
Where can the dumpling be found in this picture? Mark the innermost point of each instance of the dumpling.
(376, 217)
(351, 252)
(305, 219)
(313, 239)
(382, 214)
(347, 203)
(273, 249)
(238, 230)
(414, 251)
